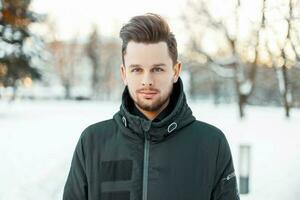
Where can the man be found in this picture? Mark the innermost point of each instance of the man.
(153, 148)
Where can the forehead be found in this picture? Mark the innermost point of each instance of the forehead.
(147, 54)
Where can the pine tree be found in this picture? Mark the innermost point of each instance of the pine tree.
(20, 50)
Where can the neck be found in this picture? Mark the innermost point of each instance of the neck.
(152, 114)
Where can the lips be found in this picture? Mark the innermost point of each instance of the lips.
(148, 94)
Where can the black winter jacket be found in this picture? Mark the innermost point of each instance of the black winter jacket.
(132, 158)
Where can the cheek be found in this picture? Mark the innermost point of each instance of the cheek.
(165, 86)
(165, 81)
(132, 92)
(132, 86)
(133, 80)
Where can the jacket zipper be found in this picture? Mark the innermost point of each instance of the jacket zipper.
(231, 175)
(145, 170)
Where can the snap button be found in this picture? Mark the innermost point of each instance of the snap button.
(172, 127)
(124, 121)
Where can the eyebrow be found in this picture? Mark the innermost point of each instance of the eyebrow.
(154, 65)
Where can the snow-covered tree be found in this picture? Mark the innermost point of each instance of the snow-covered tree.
(93, 48)
(235, 42)
(20, 50)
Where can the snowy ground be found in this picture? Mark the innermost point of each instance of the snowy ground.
(37, 140)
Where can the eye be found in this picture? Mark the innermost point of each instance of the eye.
(136, 70)
(157, 69)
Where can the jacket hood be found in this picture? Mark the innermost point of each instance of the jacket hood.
(136, 126)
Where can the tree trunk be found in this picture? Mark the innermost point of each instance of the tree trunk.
(15, 88)
(285, 92)
(67, 91)
(242, 102)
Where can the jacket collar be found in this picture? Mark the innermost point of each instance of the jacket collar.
(136, 126)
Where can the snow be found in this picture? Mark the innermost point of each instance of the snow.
(222, 71)
(7, 48)
(8, 33)
(38, 139)
(17, 35)
(280, 79)
(245, 87)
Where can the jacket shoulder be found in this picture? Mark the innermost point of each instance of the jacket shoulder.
(99, 129)
(211, 135)
(207, 130)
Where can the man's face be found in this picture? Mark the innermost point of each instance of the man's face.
(149, 74)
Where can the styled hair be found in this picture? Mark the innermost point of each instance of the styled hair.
(149, 28)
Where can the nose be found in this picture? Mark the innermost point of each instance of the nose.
(147, 80)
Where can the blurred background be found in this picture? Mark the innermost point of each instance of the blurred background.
(59, 73)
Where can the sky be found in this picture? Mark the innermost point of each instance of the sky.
(74, 17)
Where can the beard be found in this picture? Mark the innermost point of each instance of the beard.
(154, 104)
(151, 106)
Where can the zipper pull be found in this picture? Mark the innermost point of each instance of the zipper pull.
(231, 175)
(147, 136)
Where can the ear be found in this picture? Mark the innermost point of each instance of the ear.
(177, 70)
(123, 74)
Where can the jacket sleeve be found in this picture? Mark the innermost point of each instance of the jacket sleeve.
(76, 185)
(225, 186)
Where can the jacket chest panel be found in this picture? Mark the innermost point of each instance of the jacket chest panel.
(175, 171)
(119, 170)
